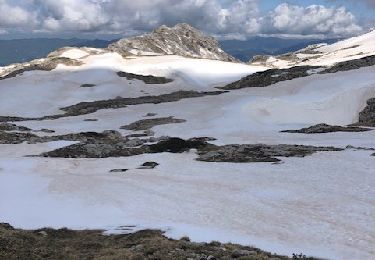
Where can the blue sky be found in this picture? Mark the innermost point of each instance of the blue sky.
(239, 19)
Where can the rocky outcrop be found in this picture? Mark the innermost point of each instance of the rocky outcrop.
(85, 108)
(47, 64)
(91, 107)
(236, 153)
(12, 127)
(245, 153)
(88, 85)
(149, 79)
(324, 128)
(148, 166)
(367, 115)
(270, 77)
(15, 138)
(352, 64)
(181, 39)
(273, 76)
(53, 244)
(146, 124)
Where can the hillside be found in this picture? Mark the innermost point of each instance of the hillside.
(182, 40)
(324, 54)
(23, 50)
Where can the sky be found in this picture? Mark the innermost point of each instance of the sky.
(228, 19)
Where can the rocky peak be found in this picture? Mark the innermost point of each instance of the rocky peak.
(182, 39)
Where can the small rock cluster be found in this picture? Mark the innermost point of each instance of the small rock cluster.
(324, 128)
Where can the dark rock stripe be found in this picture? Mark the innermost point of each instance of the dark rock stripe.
(206, 152)
(147, 124)
(47, 65)
(149, 79)
(324, 128)
(85, 108)
(273, 76)
(269, 77)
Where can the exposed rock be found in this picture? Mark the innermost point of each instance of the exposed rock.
(87, 85)
(118, 170)
(269, 77)
(12, 127)
(245, 153)
(150, 114)
(149, 165)
(149, 79)
(144, 134)
(84, 108)
(90, 120)
(47, 131)
(352, 64)
(273, 76)
(53, 244)
(47, 64)
(260, 58)
(359, 148)
(367, 115)
(15, 138)
(146, 124)
(176, 145)
(181, 39)
(324, 128)
(102, 148)
(91, 107)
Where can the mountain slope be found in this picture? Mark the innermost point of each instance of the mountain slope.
(245, 50)
(323, 54)
(23, 50)
(182, 40)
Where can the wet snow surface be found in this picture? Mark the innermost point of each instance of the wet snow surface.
(322, 205)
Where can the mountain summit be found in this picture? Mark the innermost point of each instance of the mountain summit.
(182, 39)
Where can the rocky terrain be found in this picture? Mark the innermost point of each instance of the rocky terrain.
(273, 76)
(148, 244)
(367, 116)
(324, 128)
(181, 39)
(322, 54)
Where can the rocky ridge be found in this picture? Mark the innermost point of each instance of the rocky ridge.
(182, 39)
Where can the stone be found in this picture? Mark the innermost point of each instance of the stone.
(118, 170)
(367, 115)
(149, 165)
(147, 124)
(182, 39)
(87, 85)
(149, 79)
(324, 128)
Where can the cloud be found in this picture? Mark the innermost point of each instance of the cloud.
(14, 16)
(314, 19)
(237, 18)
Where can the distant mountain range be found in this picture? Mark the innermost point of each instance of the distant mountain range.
(245, 50)
(22, 50)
